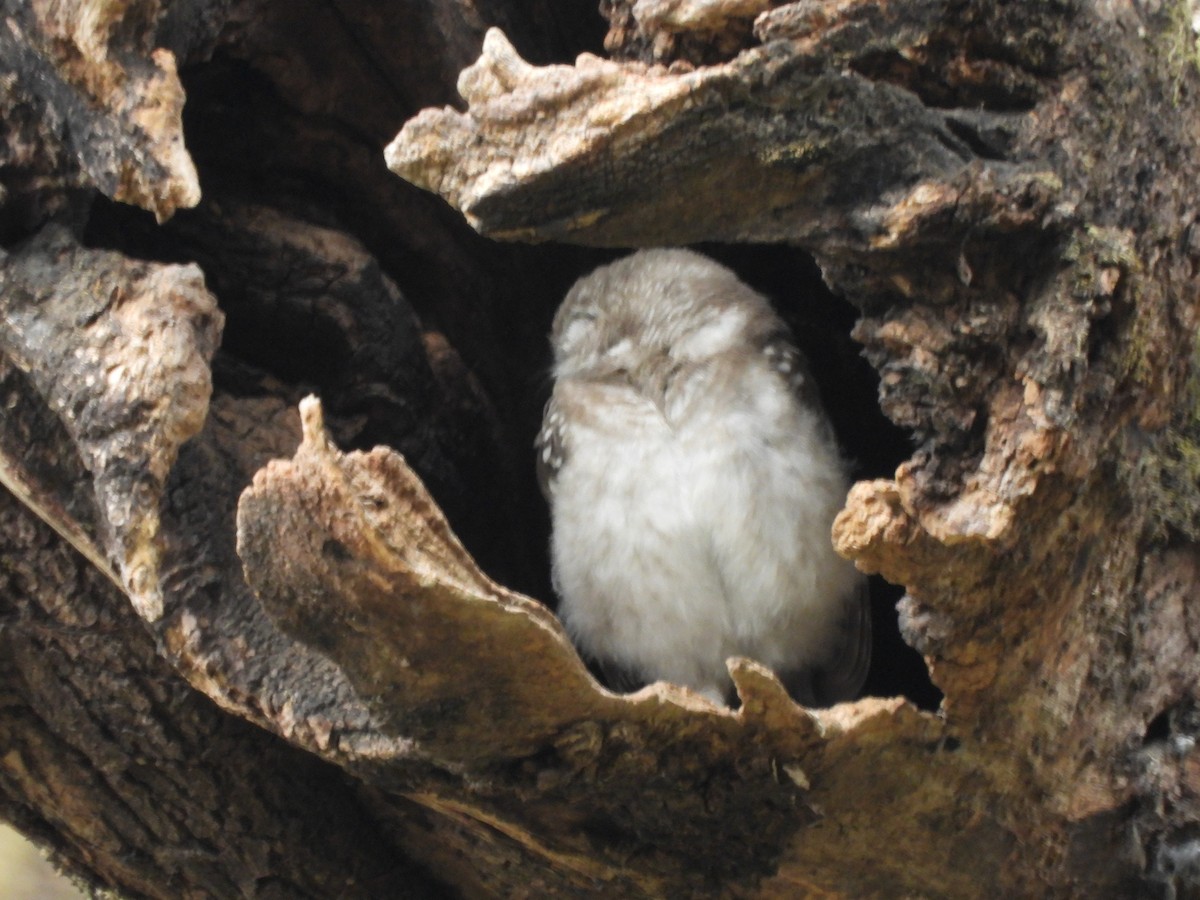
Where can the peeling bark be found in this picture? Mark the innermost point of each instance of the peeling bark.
(134, 780)
(109, 100)
(121, 352)
(316, 690)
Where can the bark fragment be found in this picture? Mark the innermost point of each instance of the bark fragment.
(107, 100)
(631, 151)
(120, 350)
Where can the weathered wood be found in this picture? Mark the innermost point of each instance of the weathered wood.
(350, 555)
(1003, 191)
(120, 351)
(133, 779)
(1032, 451)
(104, 105)
(630, 151)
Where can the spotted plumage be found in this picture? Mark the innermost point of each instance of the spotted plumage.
(693, 479)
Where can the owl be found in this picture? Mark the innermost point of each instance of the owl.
(693, 478)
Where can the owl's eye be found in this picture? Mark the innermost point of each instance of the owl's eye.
(578, 326)
(714, 335)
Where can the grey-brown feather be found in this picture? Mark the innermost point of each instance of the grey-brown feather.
(607, 299)
(841, 680)
(550, 446)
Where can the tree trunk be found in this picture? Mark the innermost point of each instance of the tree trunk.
(249, 647)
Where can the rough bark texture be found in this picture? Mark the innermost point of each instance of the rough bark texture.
(248, 649)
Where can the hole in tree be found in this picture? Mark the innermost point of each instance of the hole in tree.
(1159, 728)
(493, 303)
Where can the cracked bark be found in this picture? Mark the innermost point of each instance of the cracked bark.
(248, 650)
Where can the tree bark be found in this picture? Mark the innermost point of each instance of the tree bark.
(262, 645)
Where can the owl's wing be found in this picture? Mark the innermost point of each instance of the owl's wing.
(550, 446)
(842, 679)
(792, 366)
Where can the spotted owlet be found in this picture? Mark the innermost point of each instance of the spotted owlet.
(693, 479)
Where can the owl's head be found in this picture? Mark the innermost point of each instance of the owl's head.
(666, 304)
